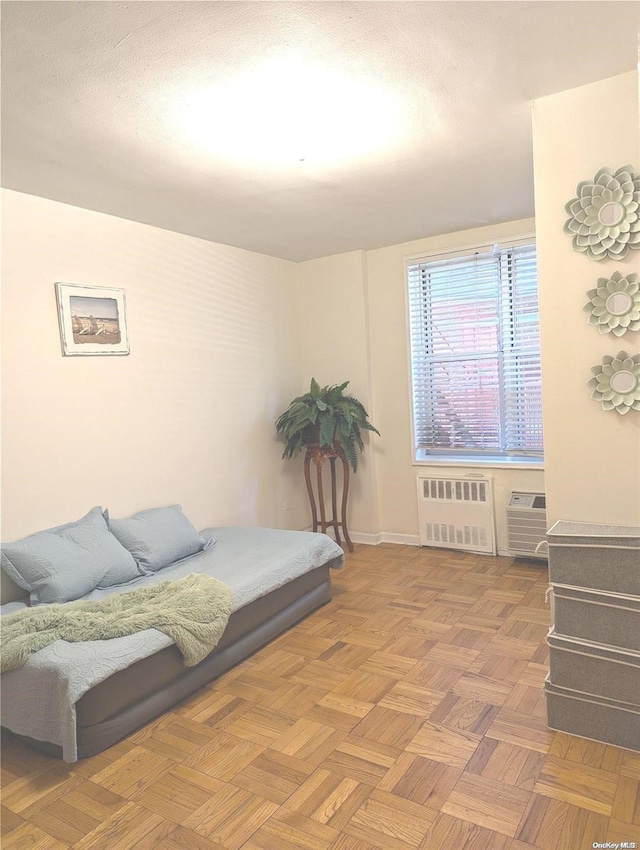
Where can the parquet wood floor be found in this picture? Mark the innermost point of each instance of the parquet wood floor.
(407, 714)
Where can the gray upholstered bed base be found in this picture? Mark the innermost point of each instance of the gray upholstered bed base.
(127, 700)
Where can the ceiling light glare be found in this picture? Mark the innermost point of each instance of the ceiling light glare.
(289, 112)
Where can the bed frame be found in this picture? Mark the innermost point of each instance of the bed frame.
(132, 697)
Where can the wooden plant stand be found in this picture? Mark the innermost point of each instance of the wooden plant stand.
(319, 455)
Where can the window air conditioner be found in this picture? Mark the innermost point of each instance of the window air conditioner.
(526, 523)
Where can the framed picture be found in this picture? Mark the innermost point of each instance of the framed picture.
(93, 319)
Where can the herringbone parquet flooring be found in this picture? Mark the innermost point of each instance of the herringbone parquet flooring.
(405, 715)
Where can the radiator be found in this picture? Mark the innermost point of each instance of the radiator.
(457, 513)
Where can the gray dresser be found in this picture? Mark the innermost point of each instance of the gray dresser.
(593, 687)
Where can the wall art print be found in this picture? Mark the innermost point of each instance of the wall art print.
(616, 382)
(93, 319)
(604, 217)
(614, 307)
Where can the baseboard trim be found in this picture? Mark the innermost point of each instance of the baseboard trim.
(358, 537)
(365, 537)
(384, 537)
(402, 539)
(369, 539)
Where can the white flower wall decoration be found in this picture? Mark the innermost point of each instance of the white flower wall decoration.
(616, 382)
(614, 307)
(604, 217)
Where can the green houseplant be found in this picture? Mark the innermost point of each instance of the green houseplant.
(325, 418)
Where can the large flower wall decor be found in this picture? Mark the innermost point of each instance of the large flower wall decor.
(604, 218)
(614, 307)
(616, 382)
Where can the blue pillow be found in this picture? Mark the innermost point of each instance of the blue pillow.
(157, 537)
(68, 561)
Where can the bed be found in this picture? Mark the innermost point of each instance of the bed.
(76, 699)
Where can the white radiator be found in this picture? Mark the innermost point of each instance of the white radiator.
(457, 513)
(526, 523)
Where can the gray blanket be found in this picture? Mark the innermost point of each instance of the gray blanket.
(193, 611)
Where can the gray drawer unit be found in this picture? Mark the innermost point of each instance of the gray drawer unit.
(603, 557)
(594, 669)
(593, 688)
(598, 718)
(602, 618)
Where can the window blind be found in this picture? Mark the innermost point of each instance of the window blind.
(521, 351)
(475, 352)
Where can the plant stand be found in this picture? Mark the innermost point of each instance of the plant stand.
(319, 455)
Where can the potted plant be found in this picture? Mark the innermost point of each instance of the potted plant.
(326, 420)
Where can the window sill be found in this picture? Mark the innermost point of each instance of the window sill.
(482, 463)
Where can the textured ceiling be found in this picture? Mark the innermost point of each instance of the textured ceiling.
(432, 100)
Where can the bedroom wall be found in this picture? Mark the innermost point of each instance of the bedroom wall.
(592, 455)
(334, 347)
(187, 417)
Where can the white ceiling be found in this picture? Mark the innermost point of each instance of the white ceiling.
(431, 132)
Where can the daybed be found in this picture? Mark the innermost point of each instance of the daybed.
(77, 699)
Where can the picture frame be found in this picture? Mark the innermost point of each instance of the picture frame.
(93, 319)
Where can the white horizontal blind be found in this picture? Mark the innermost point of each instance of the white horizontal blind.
(470, 394)
(521, 351)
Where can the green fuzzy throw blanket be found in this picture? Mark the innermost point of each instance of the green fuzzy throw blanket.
(193, 611)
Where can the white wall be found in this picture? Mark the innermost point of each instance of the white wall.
(187, 417)
(592, 456)
(396, 473)
(334, 347)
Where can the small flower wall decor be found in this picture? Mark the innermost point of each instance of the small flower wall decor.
(614, 307)
(604, 218)
(616, 382)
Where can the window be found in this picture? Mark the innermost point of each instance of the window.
(475, 354)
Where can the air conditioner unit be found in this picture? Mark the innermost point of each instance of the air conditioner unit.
(526, 523)
(457, 513)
